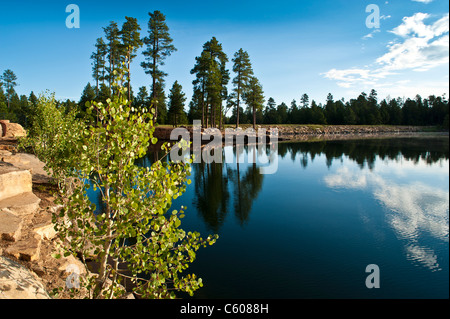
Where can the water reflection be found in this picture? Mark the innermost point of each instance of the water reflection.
(223, 187)
(246, 189)
(332, 208)
(365, 152)
(415, 210)
(211, 193)
(215, 181)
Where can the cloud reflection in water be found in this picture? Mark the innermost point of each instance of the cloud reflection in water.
(413, 210)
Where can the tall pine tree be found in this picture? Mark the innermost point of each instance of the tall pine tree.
(211, 82)
(131, 42)
(99, 63)
(243, 69)
(8, 80)
(254, 97)
(159, 46)
(201, 71)
(159, 100)
(114, 48)
(177, 100)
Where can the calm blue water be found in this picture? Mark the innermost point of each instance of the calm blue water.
(331, 209)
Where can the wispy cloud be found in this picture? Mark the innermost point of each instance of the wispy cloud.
(344, 178)
(423, 1)
(418, 47)
(370, 35)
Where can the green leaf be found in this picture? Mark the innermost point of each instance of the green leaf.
(56, 255)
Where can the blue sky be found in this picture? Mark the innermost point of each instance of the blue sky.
(296, 46)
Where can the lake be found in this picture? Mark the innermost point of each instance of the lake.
(331, 209)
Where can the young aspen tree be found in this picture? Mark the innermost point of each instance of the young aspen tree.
(135, 227)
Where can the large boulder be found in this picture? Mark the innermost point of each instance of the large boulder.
(17, 282)
(27, 162)
(10, 226)
(26, 249)
(12, 130)
(14, 181)
(3, 124)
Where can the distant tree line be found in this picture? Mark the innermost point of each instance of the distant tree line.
(211, 99)
(363, 110)
(19, 109)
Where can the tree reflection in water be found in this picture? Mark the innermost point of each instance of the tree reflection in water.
(225, 188)
(365, 152)
(215, 182)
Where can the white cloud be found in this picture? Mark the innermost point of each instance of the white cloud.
(413, 25)
(424, 47)
(417, 53)
(346, 179)
(420, 47)
(351, 77)
(423, 1)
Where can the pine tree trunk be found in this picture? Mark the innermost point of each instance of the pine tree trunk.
(206, 115)
(212, 115)
(129, 78)
(156, 49)
(238, 97)
(221, 118)
(203, 105)
(155, 105)
(97, 75)
(110, 75)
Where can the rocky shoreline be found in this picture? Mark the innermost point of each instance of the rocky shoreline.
(27, 235)
(301, 132)
(295, 130)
